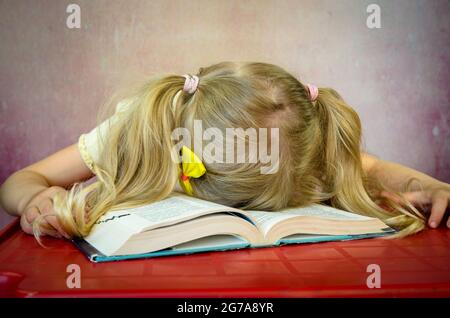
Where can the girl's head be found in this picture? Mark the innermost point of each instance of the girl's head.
(313, 146)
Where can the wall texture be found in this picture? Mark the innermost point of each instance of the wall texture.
(52, 78)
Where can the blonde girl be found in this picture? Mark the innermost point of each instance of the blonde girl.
(132, 155)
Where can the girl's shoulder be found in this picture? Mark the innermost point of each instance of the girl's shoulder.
(90, 144)
(124, 104)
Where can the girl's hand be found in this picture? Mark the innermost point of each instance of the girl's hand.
(42, 204)
(438, 196)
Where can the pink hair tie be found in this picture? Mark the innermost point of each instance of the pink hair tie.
(313, 92)
(191, 83)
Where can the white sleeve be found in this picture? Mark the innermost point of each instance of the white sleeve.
(89, 144)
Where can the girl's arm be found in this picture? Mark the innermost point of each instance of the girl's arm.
(29, 191)
(395, 176)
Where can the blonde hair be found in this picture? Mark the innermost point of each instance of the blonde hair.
(320, 144)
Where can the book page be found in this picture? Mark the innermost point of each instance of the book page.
(266, 220)
(177, 208)
(215, 242)
(174, 209)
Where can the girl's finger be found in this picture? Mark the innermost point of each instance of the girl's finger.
(31, 214)
(439, 205)
(46, 209)
(45, 229)
(417, 197)
(25, 225)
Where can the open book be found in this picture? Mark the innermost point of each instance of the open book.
(182, 225)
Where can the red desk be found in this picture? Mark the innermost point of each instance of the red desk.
(410, 267)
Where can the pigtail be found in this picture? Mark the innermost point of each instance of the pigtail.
(352, 189)
(136, 165)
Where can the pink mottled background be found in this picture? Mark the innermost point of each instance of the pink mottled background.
(52, 79)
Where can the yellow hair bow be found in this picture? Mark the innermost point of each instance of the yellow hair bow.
(192, 167)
